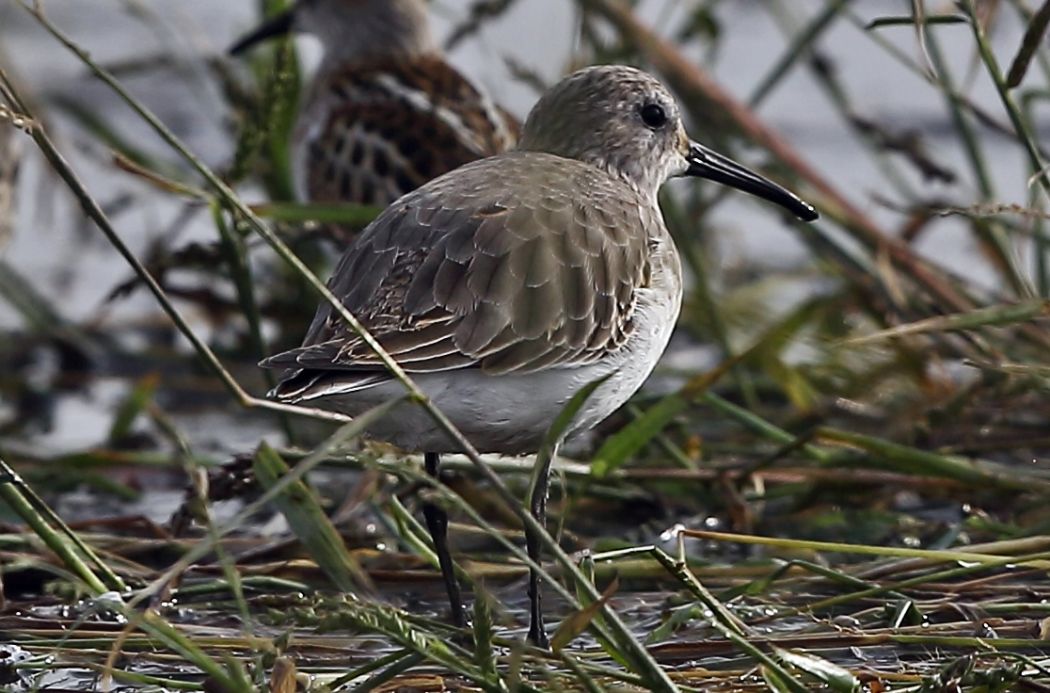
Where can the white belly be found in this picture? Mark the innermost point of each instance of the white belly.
(511, 413)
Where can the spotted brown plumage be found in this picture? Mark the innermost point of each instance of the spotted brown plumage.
(372, 132)
(384, 112)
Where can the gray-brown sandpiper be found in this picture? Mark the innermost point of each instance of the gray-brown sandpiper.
(385, 112)
(506, 285)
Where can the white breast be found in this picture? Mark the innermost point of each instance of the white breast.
(656, 315)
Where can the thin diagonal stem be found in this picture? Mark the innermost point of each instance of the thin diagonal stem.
(990, 233)
(799, 48)
(11, 486)
(1021, 128)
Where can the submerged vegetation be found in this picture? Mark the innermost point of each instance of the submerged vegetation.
(839, 478)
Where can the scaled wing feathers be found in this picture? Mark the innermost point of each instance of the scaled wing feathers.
(492, 267)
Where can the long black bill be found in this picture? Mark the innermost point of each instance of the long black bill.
(706, 163)
(278, 25)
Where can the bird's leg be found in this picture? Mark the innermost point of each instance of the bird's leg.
(437, 524)
(538, 509)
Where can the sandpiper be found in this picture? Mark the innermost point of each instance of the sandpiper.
(505, 286)
(385, 112)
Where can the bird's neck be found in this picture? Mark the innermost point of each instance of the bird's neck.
(644, 182)
(376, 42)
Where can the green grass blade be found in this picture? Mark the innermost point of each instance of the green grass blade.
(404, 661)
(909, 20)
(988, 316)
(46, 518)
(972, 471)
(799, 49)
(621, 446)
(1033, 37)
(484, 650)
(618, 448)
(370, 666)
(37, 312)
(12, 496)
(381, 618)
(228, 679)
(937, 555)
(832, 675)
(575, 623)
(350, 215)
(129, 409)
(554, 435)
(311, 525)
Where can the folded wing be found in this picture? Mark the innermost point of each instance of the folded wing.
(493, 267)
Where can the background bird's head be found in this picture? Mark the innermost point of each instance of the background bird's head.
(353, 29)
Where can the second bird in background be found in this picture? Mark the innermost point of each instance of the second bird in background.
(385, 112)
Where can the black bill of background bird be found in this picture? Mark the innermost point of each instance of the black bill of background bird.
(506, 285)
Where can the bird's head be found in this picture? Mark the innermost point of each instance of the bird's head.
(627, 123)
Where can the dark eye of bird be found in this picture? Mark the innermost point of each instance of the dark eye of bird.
(653, 115)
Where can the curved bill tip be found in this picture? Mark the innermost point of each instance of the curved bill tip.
(279, 25)
(706, 163)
